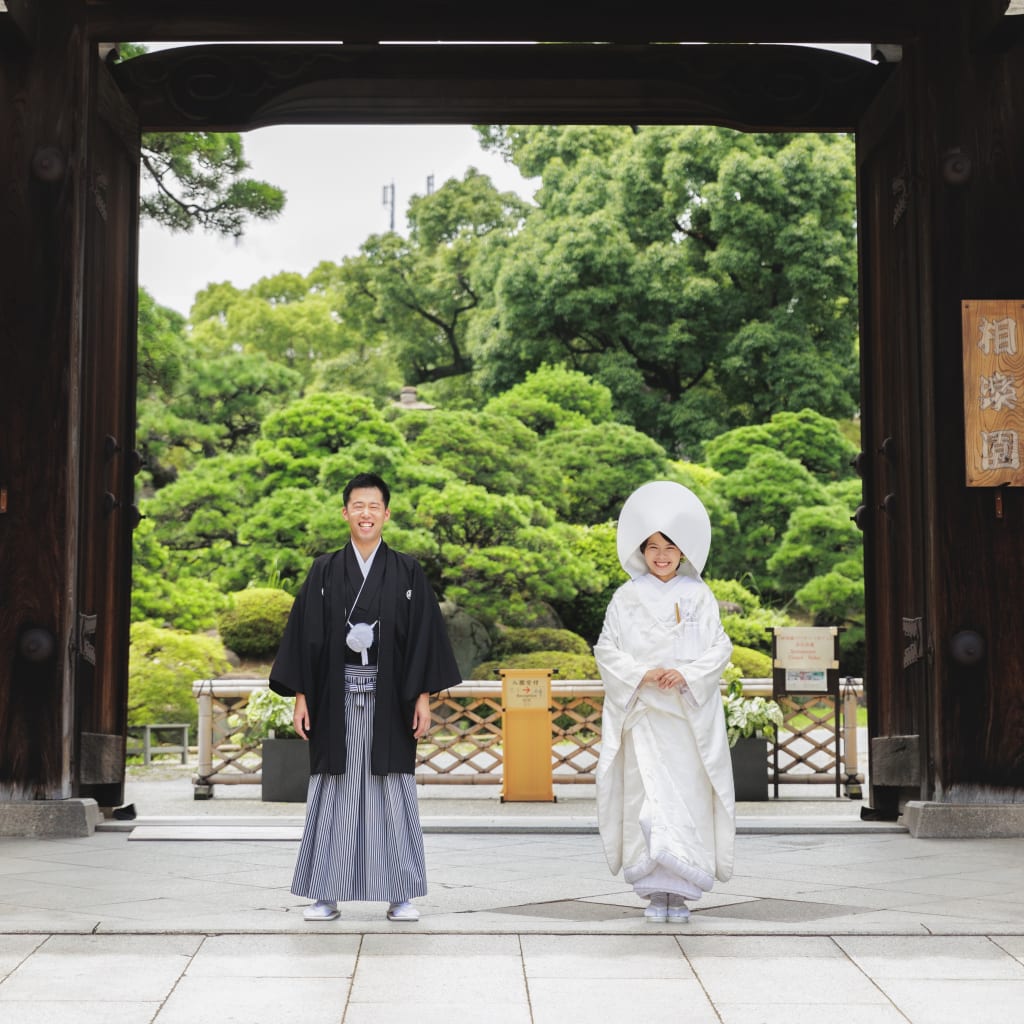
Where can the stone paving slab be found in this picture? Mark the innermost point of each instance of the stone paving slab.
(534, 979)
(871, 928)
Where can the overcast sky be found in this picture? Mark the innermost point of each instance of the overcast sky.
(334, 178)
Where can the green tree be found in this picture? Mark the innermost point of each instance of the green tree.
(814, 440)
(198, 178)
(282, 317)
(233, 394)
(747, 622)
(836, 598)
(600, 464)
(595, 546)
(706, 276)
(816, 538)
(161, 595)
(422, 289)
(194, 406)
(322, 423)
(763, 494)
(554, 397)
(503, 558)
(495, 452)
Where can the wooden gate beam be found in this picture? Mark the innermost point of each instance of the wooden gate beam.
(750, 88)
(785, 21)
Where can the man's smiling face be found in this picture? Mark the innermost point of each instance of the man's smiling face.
(366, 515)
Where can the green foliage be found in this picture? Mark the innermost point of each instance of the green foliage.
(708, 277)
(811, 439)
(565, 664)
(669, 284)
(268, 715)
(161, 346)
(363, 371)
(185, 603)
(599, 464)
(763, 494)
(511, 642)
(744, 619)
(816, 538)
(836, 598)
(193, 406)
(424, 291)
(162, 666)
(751, 664)
(322, 423)
(254, 623)
(594, 546)
(749, 716)
(494, 452)
(199, 181)
(283, 532)
(554, 397)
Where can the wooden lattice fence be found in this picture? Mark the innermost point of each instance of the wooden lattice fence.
(464, 746)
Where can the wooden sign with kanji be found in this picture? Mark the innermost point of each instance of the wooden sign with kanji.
(993, 345)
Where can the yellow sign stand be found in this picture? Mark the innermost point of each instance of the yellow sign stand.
(526, 710)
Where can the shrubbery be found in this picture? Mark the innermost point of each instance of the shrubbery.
(162, 666)
(565, 664)
(751, 664)
(252, 627)
(524, 641)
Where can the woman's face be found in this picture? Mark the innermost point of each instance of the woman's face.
(662, 557)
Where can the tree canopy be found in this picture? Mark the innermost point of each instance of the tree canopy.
(677, 303)
(705, 276)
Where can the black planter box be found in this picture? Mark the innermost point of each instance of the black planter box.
(285, 771)
(750, 768)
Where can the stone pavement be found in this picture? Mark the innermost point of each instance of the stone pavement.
(163, 920)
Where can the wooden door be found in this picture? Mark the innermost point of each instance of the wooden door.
(895, 401)
(107, 465)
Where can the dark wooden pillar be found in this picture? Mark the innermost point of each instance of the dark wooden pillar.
(941, 158)
(970, 130)
(69, 187)
(42, 106)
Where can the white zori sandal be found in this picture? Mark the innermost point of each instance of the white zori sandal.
(322, 910)
(677, 908)
(657, 909)
(403, 911)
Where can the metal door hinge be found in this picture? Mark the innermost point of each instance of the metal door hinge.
(913, 641)
(87, 638)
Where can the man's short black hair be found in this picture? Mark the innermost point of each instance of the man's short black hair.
(367, 480)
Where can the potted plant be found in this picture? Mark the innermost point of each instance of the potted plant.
(750, 722)
(285, 772)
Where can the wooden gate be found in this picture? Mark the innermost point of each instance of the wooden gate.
(108, 462)
(894, 374)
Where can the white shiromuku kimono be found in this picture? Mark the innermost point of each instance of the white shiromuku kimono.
(666, 802)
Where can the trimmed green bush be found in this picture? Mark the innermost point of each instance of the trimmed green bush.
(254, 624)
(752, 664)
(567, 665)
(162, 666)
(525, 641)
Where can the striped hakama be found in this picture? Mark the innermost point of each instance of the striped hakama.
(362, 839)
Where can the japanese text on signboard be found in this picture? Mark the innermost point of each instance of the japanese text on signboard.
(993, 347)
